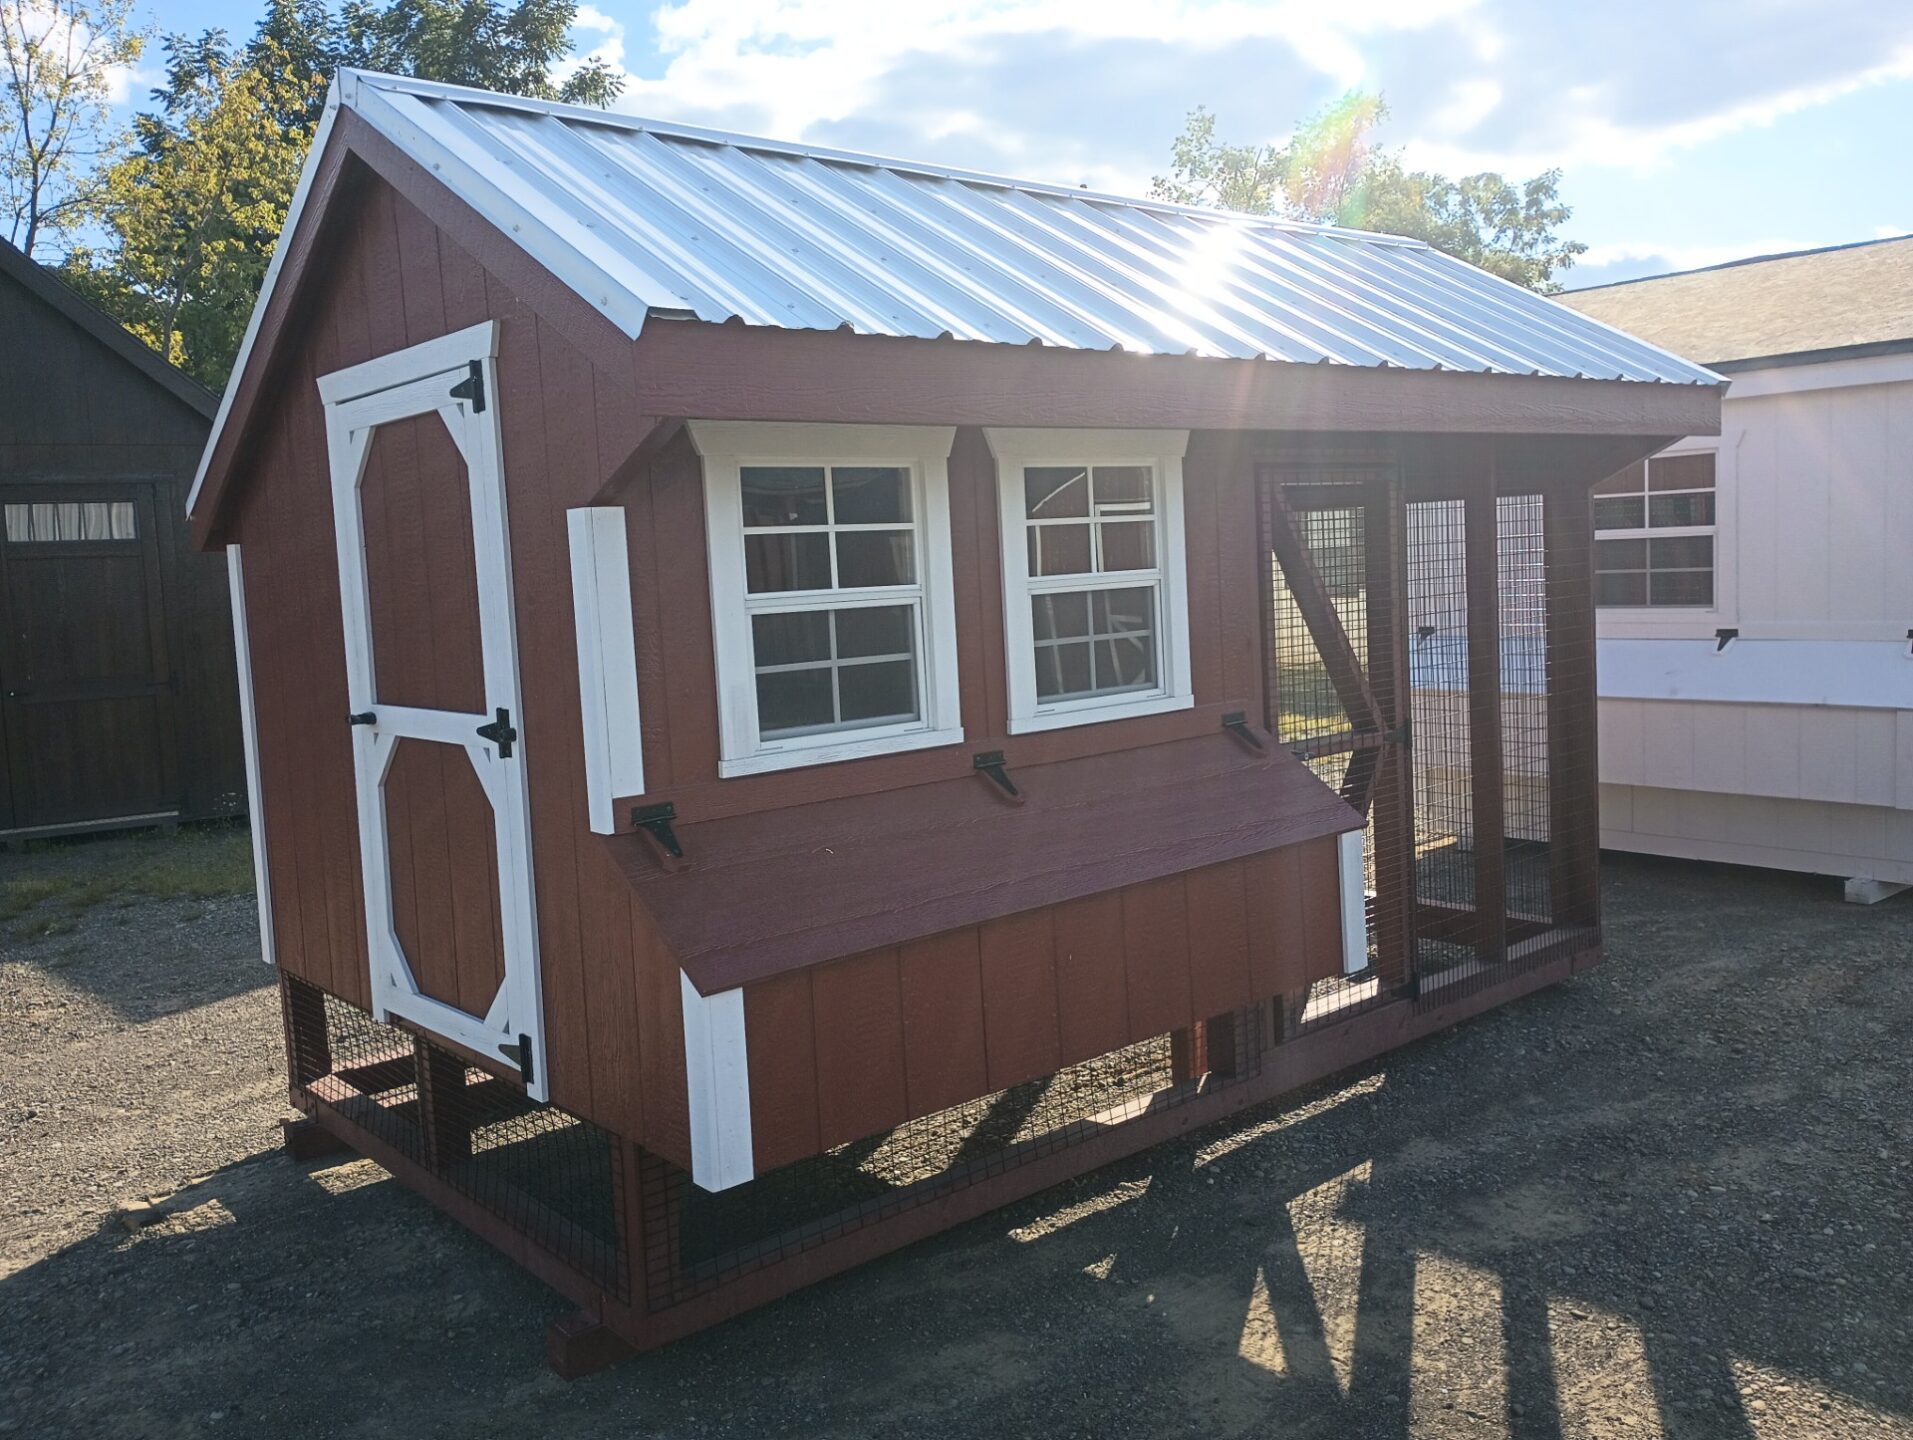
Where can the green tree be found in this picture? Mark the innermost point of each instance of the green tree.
(58, 62)
(194, 211)
(1332, 172)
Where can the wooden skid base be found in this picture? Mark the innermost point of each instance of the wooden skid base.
(309, 1140)
(581, 1344)
(609, 1326)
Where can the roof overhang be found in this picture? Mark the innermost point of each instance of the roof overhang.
(706, 370)
(733, 372)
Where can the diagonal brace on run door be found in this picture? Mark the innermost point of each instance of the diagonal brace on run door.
(1319, 615)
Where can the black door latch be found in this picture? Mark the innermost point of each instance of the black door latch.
(519, 1053)
(472, 388)
(499, 732)
(364, 717)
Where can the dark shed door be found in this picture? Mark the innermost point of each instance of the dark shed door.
(87, 682)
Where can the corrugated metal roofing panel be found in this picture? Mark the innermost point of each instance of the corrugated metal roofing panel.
(645, 219)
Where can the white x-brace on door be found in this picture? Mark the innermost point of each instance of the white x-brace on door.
(454, 378)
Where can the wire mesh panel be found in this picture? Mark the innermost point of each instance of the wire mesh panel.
(1523, 609)
(551, 1177)
(697, 1240)
(1308, 706)
(1443, 745)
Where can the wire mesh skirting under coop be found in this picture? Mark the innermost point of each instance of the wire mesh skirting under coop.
(551, 1177)
(697, 1240)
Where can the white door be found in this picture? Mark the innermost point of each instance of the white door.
(451, 927)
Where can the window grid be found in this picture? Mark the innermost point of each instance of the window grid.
(1096, 580)
(837, 598)
(1634, 567)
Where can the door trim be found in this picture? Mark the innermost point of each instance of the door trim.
(407, 383)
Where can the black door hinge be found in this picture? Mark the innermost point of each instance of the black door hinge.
(657, 820)
(472, 388)
(519, 1053)
(499, 732)
(364, 717)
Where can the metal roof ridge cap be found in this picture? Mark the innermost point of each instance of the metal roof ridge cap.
(671, 129)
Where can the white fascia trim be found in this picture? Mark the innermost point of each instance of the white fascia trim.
(249, 736)
(286, 231)
(1828, 375)
(607, 660)
(415, 362)
(1163, 452)
(718, 1087)
(726, 446)
(1350, 847)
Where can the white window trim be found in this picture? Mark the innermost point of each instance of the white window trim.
(1162, 451)
(727, 446)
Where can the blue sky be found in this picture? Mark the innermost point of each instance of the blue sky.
(1689, 131)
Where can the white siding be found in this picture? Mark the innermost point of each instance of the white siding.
(1815, 476)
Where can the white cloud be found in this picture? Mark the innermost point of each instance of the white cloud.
(1092, 90)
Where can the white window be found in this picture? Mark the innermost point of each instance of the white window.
(1654, 534)
(1095, 594)
(831, 603)
(40, 521)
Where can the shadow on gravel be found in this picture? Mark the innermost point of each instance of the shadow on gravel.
(1666, 1199)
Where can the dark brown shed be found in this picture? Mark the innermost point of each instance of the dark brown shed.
(117, 700)
(858, 690)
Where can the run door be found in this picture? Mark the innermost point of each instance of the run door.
(432, 673)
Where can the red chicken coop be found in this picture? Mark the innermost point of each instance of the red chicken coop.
(793, 698)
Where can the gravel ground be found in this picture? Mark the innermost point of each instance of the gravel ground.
(1669, 1198)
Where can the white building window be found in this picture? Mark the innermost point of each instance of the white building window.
(1095, 592)
(831, 604)
(1654, 534)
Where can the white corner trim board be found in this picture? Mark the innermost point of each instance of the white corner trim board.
(249, 736)
(1352, 845)
(718, 1083)
(607, 660)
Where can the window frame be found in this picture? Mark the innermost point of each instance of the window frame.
(1162, 451)
(728, 447)
(1647, 533)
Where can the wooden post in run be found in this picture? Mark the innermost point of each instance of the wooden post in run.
(1392, 803)
(1482, 565)
(308, 1047)
(1574, 796)
(441, 1105)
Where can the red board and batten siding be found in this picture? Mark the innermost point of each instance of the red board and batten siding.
(391, 278)
(847, 1049)
(1048, 987)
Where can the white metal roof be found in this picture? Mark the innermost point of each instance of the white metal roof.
(646, 219)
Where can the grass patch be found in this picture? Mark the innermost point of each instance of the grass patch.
(197, 863)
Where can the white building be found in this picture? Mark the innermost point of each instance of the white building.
(1756, 635)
